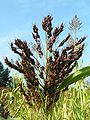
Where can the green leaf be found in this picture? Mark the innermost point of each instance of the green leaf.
(74, 77)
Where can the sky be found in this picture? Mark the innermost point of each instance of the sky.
(18, 16)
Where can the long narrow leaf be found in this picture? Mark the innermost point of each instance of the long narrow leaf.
(74, 77)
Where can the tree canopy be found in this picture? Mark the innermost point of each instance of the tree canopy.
(5, 78)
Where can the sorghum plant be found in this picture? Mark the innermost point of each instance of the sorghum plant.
(74, 26)
(59, 64)
(4, 110)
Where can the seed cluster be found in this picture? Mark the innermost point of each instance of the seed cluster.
(47, 25)
(58, 64)
(36, 37)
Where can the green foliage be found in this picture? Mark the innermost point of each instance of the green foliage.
(73, 104)
(4, 97)
(76, 76)
(5, 79)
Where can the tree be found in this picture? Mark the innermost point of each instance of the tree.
(5, 78)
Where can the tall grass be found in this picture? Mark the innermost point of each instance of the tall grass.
(73, 104)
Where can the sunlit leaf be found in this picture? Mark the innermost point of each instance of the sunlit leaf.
(74, 77)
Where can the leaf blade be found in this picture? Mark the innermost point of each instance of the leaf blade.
(74, 77)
